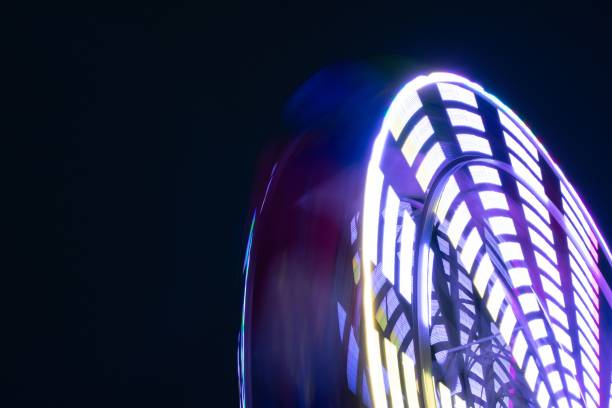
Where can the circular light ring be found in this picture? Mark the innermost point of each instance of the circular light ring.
(439, 131)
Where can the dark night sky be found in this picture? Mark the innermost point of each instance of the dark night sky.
(138, 130)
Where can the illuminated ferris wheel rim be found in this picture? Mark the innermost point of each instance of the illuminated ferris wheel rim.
(422, 291)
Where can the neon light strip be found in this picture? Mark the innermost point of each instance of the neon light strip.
(473, 143)
(390, 235)
(372, 193)
(516, 132)
(406, 256)
(522, 154)
(393, 375)
(451, 190)
(451, 92)
(403, 107)
(580, 228)
(484, 174)
(462, 117)
(418, 136)
(502, 225)
(493, 200)
(410, 381)
(430, 164)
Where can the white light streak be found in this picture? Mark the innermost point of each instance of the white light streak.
(472, 245)
(403, 107)
(390, 234)
(537, 223)
(514, 129)
(452, 92)
(430, 164)
(511, 251)
(533, 201)
(529, 302)
(482, 275)
(484, 174)
(508, 322)
(406, 256)
(519, 348)
(493, 199)
(420, 133)
(496, 297)
(523, 155)
(502, 225)
(451, 189)
(522, 171)
(520, 277)
(395, 388)
(531, 373)
(462, 117)
(473, 143)
(457, 224)
(537, 329)
(410, 381)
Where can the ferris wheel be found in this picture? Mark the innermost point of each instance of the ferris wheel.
(465, 270)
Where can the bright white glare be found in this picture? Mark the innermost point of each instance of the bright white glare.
(403, 107)
(473, 143)
(520, 277)
(557, 314)
(583, 234)
(563, 338)
(451, 189)
(568, 361)
(420, 133)
(538, 329)
(492, 200)
(533, 201)
(543, 397)
(496, 297)
(472, 245)
(523, 155)
(519, 348)
(508, 322)
(539, 241)
(570, 200)
(390, 234)
(529, 302)
(457, 224)
(430, 164)
(485, 174)
(482, 275)
(537, 223)
(371, 214)
(458, 401)
(393, 374)
(514, 129)
(511, 251)
(552, 290)
(546, 355)
(580, 260)
(572, 385)
(452, 92)
(531, 373)
(555, 381)
(410, 381)
(521, 170)
(502, 225)
(445, 396)
(462, 117)
(406, 256)
(547, 267)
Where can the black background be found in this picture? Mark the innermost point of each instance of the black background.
(137, 132)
